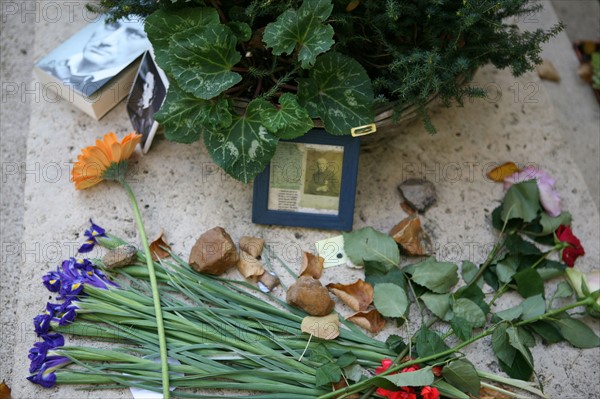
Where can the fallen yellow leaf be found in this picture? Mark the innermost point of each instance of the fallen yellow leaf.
(326, 327)
(499, 173)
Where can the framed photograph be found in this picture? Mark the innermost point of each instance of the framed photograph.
(310, 182)
(145, 99)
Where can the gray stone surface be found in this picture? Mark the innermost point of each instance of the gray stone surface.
(181, 192)
(577, 110)
(16, 43)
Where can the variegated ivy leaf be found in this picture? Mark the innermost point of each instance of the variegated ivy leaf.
(161, 25)
(338, 90)
(289, 121)
(303, 28)
(201, 60)
(184, 116)
(244, 149)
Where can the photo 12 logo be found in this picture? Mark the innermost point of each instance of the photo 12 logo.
(46, 11)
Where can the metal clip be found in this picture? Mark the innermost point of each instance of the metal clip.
(363, 130)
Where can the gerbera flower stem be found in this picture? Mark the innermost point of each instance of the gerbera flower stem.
(155, 294)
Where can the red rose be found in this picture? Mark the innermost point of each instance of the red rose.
(430, 393)
(574, 250)
(437, 371)
(414, 367)
(385, 364)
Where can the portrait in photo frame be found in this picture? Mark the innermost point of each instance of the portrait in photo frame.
(310, 182)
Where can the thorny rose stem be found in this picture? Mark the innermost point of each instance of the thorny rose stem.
(363, 384)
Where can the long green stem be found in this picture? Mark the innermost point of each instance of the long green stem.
(368, 382)
(157, 309)
(488, 261)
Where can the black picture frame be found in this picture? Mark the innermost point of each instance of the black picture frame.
(343, 219)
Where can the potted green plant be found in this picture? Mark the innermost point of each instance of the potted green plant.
(246, 73)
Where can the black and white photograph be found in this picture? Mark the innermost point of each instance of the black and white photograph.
(147, 95)
(96, 54)
(310, 181)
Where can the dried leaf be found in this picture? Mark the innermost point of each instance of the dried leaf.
(499, 173)
(409, 234)
(547, 71)
(252, 245)
(371, 321)
(4, 391)
(249, 266)
(358, 295)
(312, 265)
(352, 5)
(157, 245)
(268, 281)
(486, 393)
(326, 327)
(407, 208)
(343, 384)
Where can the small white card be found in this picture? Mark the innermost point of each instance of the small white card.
(332, 250)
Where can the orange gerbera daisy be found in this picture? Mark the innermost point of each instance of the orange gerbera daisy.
(107, 160)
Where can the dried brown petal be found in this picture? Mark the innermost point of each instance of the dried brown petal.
(252, 245)
(371, 321)
(249, 266)
(312, 265)
(326, 327)
(309, 295)
(157, 245)
(409, 234)
(358, 295)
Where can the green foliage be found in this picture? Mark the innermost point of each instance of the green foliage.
(463, 375)
(439, 277)
(338, 62)
(417, 378)
(390, 300)
(428, 342)
(370, 245)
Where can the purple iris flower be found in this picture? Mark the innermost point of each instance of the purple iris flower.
(46, 376)
(52, 281)
(41, 323)
(54, 340)
(91, 234)
(46, 380)
(78, 272)
(37, 355)
(67, 318)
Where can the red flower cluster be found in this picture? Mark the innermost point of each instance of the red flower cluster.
(574, 250)
(405, 392)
